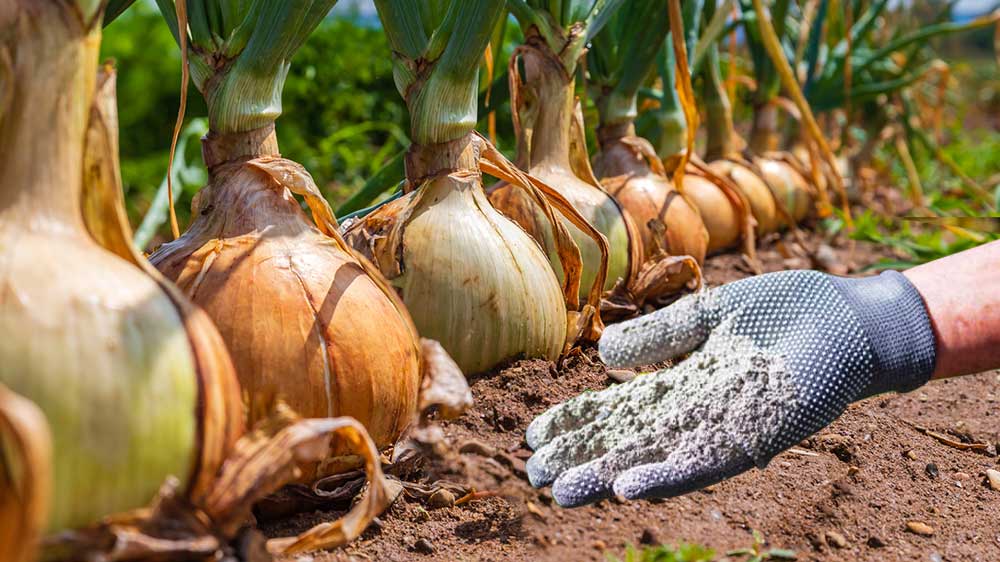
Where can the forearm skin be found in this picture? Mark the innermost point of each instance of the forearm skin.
(962, 294)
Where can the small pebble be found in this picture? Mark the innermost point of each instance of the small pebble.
(931, 469)
(836, 539)
(962, 476)
(993, 477)
(919, 528)
(600, 545)
(875, 542)
(935, 557)
(911, 455)
(621, 375)
(441, 498)
(424, 546)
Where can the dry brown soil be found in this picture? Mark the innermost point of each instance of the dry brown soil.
(846, 494)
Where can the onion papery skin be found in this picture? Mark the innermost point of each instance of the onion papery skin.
(104, 354)
(649, 198)
(600, 210)
(762, 204)
(717, 212)
(303, 321)
(790, 189)
(471, 278)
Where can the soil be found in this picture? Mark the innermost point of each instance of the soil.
(847, 493)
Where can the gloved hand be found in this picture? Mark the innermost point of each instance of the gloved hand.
(779, 357)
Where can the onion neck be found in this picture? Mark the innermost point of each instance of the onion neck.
(52, 76)
(764, 132)
(555, 101)
(218, 149)
(718, 111)
(427, 161)
(617, 158)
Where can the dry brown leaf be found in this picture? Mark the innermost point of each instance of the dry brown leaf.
(443, 387)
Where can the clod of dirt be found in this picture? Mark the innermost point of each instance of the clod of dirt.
(424, 546)
(875, 542)
(919, 528)
(841, 446)
(649, 537)
(476, 447)
(834, 538)
(993, 478)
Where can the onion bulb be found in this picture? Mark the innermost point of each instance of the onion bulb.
(790, 188)
(721, 220)
(754, 189)
(305, 321)
(632, 173)
(471, 278)
(135, 384)
(544, 109)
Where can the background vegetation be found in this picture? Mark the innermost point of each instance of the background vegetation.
(343, 118)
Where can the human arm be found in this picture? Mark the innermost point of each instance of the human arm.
(776, 358)
(962, 296)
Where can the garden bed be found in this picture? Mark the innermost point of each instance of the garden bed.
(848, 493)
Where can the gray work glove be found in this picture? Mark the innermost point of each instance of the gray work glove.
(776, 358)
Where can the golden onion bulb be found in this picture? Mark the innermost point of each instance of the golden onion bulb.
(303, 319)
(134, 383)
(664, 219)
(471, 278)
(789, 187)
(762, 204)
(596, 206)
(722, 221)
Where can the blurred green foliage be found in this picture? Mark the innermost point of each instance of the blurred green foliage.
(343, 118)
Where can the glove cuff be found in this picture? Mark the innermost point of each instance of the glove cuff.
(894, 318)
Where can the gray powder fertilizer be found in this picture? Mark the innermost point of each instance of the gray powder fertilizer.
(727, 401)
